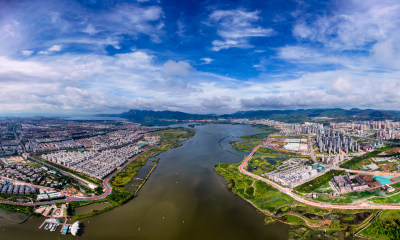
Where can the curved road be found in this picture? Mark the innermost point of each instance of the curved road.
(104, 195)
(288, 191)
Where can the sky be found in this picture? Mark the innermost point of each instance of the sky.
(91, 56)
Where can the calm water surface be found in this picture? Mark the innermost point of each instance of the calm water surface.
(183, 199)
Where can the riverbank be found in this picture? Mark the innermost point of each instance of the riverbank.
(283, 208)
(170, 138)
(182, 199)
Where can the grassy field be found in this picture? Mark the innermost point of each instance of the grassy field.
(265, 159)
(350, 197)
(385, 227)
(392, 199)
(318, 182)
(302, 233)
(357, 163)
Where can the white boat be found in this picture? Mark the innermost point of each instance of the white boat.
(75, 228)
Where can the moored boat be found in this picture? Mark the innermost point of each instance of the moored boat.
(75, 228)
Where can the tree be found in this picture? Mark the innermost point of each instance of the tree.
(98, 190)
(250, 191)
(231, 184)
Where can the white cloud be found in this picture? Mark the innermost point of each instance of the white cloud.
(297, 52)
(25, 68)
(235, 27)
(207, 60)
(52, 49)
(176, 69)
(345, 58)
(354, 26)
(90, 29)
(97, 83)
(216, 102)
(26, 53)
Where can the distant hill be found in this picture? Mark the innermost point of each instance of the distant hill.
(150, 117)
(300, 115)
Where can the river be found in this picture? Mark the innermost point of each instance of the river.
(184, 198)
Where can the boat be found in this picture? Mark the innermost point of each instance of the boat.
(75, 228)
(45, 227)
(53, 228)
(65, 230)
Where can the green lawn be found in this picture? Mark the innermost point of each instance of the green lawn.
(385, 227)
(318, 182)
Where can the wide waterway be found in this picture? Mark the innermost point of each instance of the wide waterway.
(184, 198)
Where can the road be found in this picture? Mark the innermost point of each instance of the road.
(288, 191)
(107, 186)
(311, 149)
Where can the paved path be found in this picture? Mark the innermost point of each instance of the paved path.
(358, 205)
(377, 173)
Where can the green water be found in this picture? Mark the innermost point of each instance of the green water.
(183, 199)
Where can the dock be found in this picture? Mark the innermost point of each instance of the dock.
(65, 227)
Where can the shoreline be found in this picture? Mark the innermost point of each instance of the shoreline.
(297, 220)
(173, 145)
(107, 183)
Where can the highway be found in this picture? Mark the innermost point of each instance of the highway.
(363, 204)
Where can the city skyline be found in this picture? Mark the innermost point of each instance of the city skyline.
(88, 57)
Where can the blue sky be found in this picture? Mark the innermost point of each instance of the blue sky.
(86, 57)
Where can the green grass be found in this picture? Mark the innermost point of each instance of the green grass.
(264, 196)
(360, 161)
(266, 159)
(15, 208)
(318, 182)
(295, 220)
(385, 227)
(392, 199)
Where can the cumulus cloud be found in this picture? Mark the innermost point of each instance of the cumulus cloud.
(176, 69)
(95, 83)
(300, 99)
(343, 57)
(216, 102)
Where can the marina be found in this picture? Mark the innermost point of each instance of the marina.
(51, 224)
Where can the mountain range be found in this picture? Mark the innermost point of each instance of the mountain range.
(150, 117)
